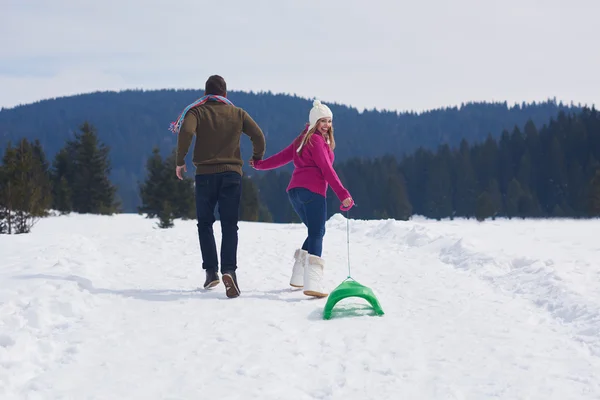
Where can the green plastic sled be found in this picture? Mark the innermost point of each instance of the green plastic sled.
(351, 288)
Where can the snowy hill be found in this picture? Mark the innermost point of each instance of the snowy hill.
(98, 307)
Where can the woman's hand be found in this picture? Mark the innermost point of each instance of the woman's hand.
(347, 204)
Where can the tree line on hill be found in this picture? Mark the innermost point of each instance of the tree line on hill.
(528, 172)
(78, 181)
(133, 122)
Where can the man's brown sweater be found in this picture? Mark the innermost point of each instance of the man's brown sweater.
(218, 128)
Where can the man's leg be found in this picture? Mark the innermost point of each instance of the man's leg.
(230, 193)
(206, 199)
(229, 205)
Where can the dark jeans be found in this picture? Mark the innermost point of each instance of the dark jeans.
(225, 190)
(312, 210)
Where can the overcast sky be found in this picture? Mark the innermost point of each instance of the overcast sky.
(396, 54)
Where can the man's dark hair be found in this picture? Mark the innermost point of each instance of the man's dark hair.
(215, 85)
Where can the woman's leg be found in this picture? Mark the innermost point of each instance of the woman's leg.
(297, 278)
(299, 207)
(315, 214)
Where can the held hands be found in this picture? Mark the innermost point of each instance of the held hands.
(254, 163)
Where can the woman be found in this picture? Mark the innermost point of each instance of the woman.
(312, 155)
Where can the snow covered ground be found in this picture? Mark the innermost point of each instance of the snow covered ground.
(98, 307)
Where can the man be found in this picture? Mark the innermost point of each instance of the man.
(217, 125)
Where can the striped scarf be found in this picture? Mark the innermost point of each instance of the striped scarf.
(176, 126)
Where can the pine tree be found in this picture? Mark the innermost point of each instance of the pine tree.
(415, 169)
(165, 216)
(438, 186)
(485, 158)
(576, 188)
(44, 181)
(496, 198)
(505, 165)
(61, 174)
(524, 173)
(153, 192)
(485, 206)
(557, 184)
(395, 198)
(182, 196)
(162, 186)
(531, 172)
(518, 147)
(465, 183)
(514, 194)
(87, 174)
(24, 187)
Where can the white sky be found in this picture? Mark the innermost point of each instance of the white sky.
(401, 55)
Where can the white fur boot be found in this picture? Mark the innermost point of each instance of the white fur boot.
(313, 277)
(297, 279)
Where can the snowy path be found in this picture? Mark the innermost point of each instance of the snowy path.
(107, 308)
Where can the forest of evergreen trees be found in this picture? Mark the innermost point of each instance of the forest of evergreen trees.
(78, 181)
(133, 122)
(553, 171)
(529, 172)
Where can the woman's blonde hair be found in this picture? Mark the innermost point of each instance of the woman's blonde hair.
(329, 138)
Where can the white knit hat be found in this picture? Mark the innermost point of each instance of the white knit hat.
(318, 111)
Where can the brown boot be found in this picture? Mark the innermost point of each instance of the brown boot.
(212, 279)
(231, 285)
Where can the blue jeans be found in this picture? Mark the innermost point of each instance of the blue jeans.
(225, 190)
(312, 210)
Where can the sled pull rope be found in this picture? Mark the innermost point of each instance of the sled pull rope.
(348, 240)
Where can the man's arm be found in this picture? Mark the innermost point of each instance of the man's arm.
(185, 136)
(256, 135)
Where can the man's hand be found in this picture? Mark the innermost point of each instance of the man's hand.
(178, 171)
(347, 202)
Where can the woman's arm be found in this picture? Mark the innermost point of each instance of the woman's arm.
(276, 160)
